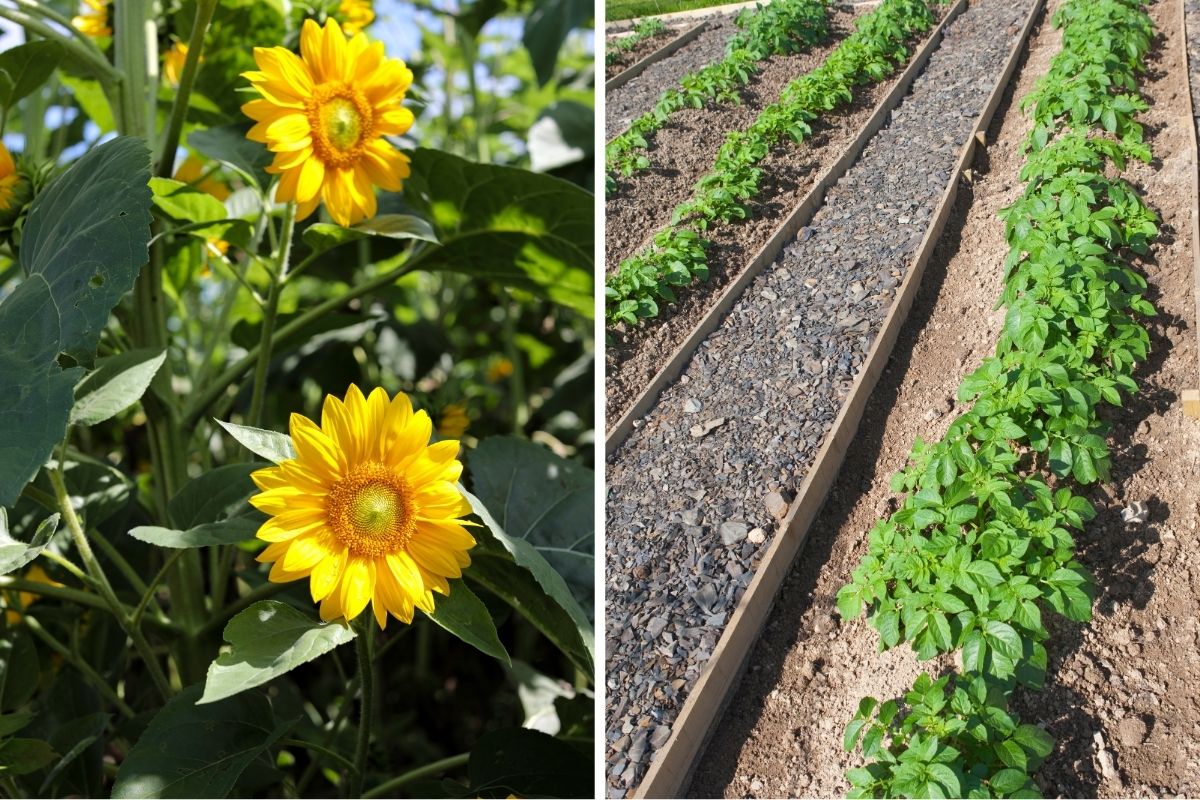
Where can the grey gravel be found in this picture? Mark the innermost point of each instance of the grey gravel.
(627, 102)
(683, 497)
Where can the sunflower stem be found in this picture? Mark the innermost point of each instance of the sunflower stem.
(97, 572)
(366, 678)
(270, 314)
(84, 668)
(213, 391)
(187, 78)
(388, 788)
(87, 56)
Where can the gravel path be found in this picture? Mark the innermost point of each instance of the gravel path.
(638, 96)
(697, 489)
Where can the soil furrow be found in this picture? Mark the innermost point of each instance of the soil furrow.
(767, 385)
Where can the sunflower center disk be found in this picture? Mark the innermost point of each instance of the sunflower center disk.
(371, 510)
(342, 123)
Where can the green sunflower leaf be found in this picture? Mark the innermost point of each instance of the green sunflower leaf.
(191, 750)
(266, 640)
(274, 447)
(543, 499)
(512, 226)
(464, 615)
(115, 385)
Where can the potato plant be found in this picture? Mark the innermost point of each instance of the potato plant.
(296, 384)
(982, 545)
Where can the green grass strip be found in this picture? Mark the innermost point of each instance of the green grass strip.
(615, 10)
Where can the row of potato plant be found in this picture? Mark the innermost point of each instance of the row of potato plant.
(982, 545)
(678, 254)
(779, 28)
(644, 29)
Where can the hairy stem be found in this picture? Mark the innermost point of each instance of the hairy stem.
(366, 677)
(259, 395)
(97, 572)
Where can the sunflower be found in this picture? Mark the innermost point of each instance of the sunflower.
(8, 179)
(454, 421)
(324, 115)
(27, 598)
(93, 19)
(356, 15)
(173, 63)
(368, 509)
(191, 172)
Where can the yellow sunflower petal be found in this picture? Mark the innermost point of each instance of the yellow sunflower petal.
(313, 447)
(312, 176)
(326, 574)
(357, 587)
(434, 557)
(305, 552)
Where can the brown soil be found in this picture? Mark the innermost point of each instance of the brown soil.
(1131, 676)
(644, 48)
(685, 148)
(633, 357)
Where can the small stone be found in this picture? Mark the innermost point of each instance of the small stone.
(812, 366)
(777, 507)
(756, 786)
(932, 414)
(637, 750)
(691, 516)
(660, 736)
(706, 597)
(691, 406)
(757, 536)
(704, 428)
(1135, 512)
(656, 626)
(733, 532)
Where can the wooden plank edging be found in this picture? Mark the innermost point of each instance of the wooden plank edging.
(1191, 397)
(673, 765)
(622, 78)
(798, 218)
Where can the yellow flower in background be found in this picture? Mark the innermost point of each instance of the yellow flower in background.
(499, 369)
(356, 15)
(368, 510)
(173, 63)
(8, 179)
(37, 575)
(191, 172)
(324, 115)
(92, 19)
(454, 421)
